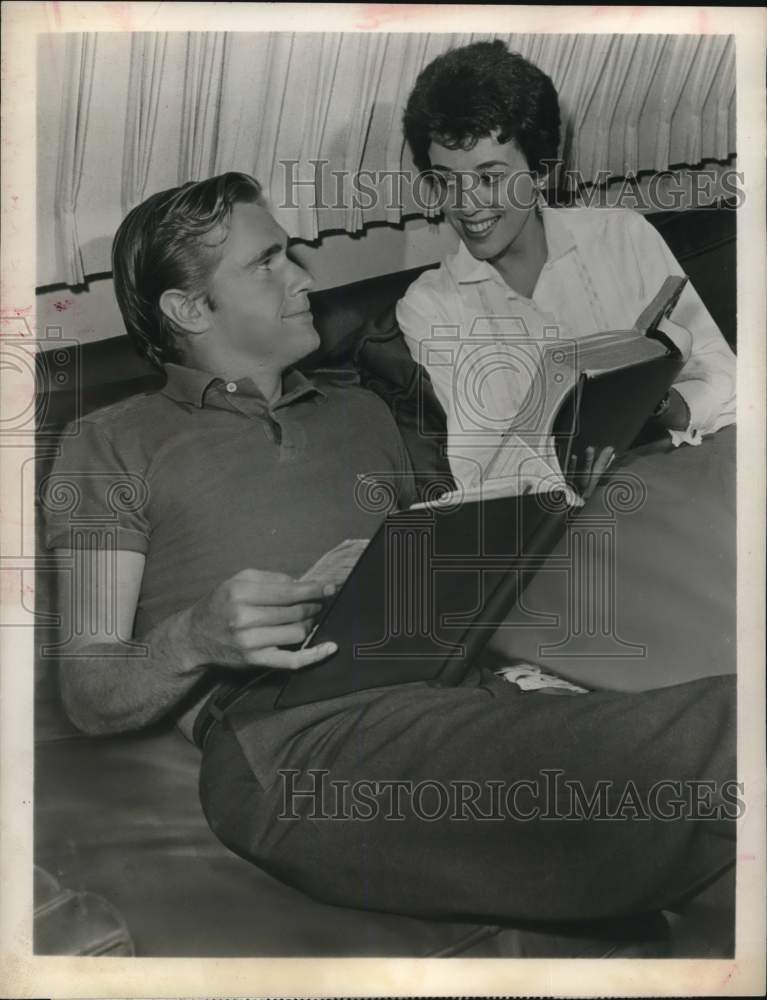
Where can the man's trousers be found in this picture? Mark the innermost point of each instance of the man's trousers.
(482, 801)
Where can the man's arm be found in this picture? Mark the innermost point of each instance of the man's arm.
(111, 685)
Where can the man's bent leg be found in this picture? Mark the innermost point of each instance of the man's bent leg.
(483, 802)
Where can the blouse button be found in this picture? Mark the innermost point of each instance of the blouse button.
(231, 387)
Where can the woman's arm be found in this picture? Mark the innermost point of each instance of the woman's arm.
(706, 384)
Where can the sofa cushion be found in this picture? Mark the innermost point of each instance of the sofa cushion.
(704, 242)
(640, 592)
(120, 817)
(119, 825)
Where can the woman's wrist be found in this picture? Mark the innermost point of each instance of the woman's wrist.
(673, 412)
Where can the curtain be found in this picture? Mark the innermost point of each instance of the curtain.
(371, 50)
(323, 69)
(75, 104)
(717, 116)
(147, 59)
(691, 97)
(206, 59)
(309, 114)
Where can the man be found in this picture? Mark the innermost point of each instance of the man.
(202, 277)
(246, 474)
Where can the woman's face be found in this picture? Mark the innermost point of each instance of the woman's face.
(488, 194)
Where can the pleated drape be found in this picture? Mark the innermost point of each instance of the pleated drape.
(75, 104)
(308, 113)
(147, 60)
(206, 58)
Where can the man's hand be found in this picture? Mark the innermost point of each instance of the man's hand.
(585, 476)
(249, 618)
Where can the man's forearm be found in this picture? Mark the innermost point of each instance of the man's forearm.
(107, 690)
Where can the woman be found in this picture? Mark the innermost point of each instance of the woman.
(485, 123)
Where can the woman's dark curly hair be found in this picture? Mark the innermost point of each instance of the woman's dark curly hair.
(162, 244)
(469, 93)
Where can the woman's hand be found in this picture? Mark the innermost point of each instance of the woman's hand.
(680, 336)
(585, 475)
(675, 415)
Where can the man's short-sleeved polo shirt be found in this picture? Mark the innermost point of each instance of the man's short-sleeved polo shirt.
(206, 478)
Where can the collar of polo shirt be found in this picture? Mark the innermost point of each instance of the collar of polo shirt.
(189, 385)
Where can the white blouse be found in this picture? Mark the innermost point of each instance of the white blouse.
(479, 339)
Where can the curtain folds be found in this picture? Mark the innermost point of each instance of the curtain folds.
(75, 104)
(147, 59)
(369, 63)
(206, 61)
(323, 69)
(310, 115)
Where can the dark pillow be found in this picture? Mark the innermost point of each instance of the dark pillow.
(376, 352)
(387, 368)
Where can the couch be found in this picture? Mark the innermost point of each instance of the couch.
(126, 863)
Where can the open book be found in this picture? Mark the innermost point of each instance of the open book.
(438, 579)
(595, 391)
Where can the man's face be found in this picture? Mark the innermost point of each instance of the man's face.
(261, 309)
(488, 194)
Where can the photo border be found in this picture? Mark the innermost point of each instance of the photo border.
(27, 975)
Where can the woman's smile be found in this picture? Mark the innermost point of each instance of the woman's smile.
(477, 229)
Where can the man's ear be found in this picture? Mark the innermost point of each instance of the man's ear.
(186, 311)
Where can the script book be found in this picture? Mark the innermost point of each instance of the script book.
(437, 579)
